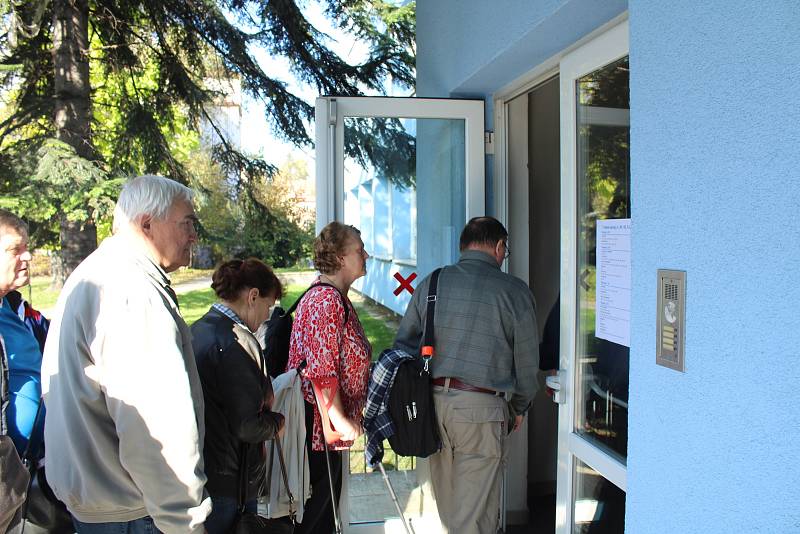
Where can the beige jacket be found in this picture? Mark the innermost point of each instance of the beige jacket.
(124, 426)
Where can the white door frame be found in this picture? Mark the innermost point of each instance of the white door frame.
(329, 114)
(330, 110)
(605, 48)
(601, 47)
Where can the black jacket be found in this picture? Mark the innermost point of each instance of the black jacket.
(237, 397)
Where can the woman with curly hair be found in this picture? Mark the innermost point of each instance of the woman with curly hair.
(328, 339)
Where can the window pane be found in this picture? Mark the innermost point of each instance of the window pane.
(380, 174)
(599, 506)
(603, 133)
(380, 198)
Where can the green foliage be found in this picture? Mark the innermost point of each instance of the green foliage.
(63, 183)
(150, 67)
(77, 186)
(261, 220)
(385, 145)
(150, 61)
(275, 240)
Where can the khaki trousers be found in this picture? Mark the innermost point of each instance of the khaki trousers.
(466, 474)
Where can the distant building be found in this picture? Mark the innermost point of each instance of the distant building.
(226, 112)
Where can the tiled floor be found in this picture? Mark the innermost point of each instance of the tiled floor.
(370, 501)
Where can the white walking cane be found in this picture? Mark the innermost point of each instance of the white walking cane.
(406, 525)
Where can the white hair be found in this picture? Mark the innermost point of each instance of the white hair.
(147, 195)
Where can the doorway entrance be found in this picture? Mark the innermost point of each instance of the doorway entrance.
(534, 218)
(566, 164)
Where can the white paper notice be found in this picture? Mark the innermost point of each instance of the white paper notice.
(613, 311)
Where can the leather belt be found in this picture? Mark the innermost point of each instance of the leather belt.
(455, 383)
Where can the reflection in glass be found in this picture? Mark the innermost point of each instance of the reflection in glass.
(599, 506)
(381, 182)
(389, 176)
(603, 171)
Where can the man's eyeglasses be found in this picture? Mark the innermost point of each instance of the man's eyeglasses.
(189, 224)
(508, 250)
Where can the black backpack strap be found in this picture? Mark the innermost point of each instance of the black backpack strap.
(427, 343)
(341, 296)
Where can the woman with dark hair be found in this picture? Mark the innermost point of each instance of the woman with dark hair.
(236, 389)
(328, 339)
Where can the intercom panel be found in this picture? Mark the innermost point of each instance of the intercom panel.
(671, 319)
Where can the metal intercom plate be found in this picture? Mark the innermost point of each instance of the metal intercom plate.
(671, 319)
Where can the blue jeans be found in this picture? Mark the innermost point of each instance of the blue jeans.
(144, 525)
(223, 513)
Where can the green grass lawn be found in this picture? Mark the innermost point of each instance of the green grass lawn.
(43, 297)
(39, 294)
(195, 303)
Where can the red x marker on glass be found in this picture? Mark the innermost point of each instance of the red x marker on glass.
(405, 283)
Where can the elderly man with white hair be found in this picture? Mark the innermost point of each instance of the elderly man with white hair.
(124, 426)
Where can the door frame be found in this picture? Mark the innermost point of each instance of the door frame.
(602, 46)
(329, 136)
(330, 163)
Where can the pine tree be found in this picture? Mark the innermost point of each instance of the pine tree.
(101, 88)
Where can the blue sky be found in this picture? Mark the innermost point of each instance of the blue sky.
(257, 137)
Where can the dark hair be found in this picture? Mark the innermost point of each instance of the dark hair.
(330, 244)
(11, 222)
(231, 277)
(482, 231)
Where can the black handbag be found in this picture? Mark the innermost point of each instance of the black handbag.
(246, 522)
(42, 511)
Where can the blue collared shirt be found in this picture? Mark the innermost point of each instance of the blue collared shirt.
(223, 309)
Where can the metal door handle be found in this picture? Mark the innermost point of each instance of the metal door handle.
(554, 382)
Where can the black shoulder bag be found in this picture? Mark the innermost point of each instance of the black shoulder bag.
(416, 430)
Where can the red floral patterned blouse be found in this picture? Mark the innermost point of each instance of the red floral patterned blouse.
(332, 349)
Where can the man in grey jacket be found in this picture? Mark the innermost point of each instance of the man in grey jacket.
(487, 348)
(124, 425)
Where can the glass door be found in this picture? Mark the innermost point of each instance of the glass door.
(408, 172)
(595, 286)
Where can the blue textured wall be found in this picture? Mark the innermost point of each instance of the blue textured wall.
(715, 112)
